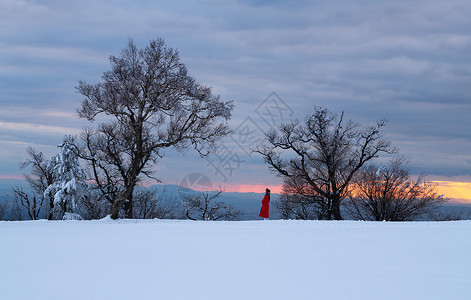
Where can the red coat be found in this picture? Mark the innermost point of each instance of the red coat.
(265, 206)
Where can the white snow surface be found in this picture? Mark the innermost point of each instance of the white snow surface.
(165, 259)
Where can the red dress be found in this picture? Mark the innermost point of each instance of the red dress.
(265, 206)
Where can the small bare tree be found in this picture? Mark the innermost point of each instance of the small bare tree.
(451, 215)
(300, 201)
(297, 207)
(389, 194)
(203, 207)
(32, 203)
(323, 153)
(16, 213)
(3, 209)
(149, 205)
(93, 206)
(41, 177)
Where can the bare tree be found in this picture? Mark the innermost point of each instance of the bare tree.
(151, 104)
(203, 207)
(16, 213)
(32, 203)
(451, 214)
(388, 193)
(297, 207)
(41, 176)
(150, 205)
(93, 206)
(323, 154)
(3, 209)
(300, 201)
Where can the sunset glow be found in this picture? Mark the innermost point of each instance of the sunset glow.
(246, 188)
(458, 192)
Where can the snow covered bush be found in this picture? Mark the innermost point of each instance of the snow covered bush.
(69, 181)
(71, 216)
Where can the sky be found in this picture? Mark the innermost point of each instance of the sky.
(405, 61)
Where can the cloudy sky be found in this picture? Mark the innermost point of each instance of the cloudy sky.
(406, 61)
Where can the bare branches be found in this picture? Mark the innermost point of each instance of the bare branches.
(3, 208)
(40, 179)
(323, 153)
(155, 105)
(203, 207)
(150, 205)
(388, 193)
(33, 205)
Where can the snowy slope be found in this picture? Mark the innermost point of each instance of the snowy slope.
(152, 259)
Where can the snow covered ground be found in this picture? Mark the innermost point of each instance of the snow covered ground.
(153, 259)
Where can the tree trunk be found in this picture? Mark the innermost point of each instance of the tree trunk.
(336, 209)
(128, 207)
(126, 195)
(328, 211)
(116, 206)
(51, 208)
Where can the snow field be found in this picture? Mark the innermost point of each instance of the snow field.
(161, 259)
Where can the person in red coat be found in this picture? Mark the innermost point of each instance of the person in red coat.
(264, 211)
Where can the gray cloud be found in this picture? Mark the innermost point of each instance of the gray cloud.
(407, 61)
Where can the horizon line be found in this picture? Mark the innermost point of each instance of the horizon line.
(456, 191)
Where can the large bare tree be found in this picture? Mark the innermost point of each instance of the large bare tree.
(321, 155)
(388, 193)
(149, 103)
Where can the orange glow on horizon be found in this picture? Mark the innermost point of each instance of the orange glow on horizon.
(257, 188)
(457, 192)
